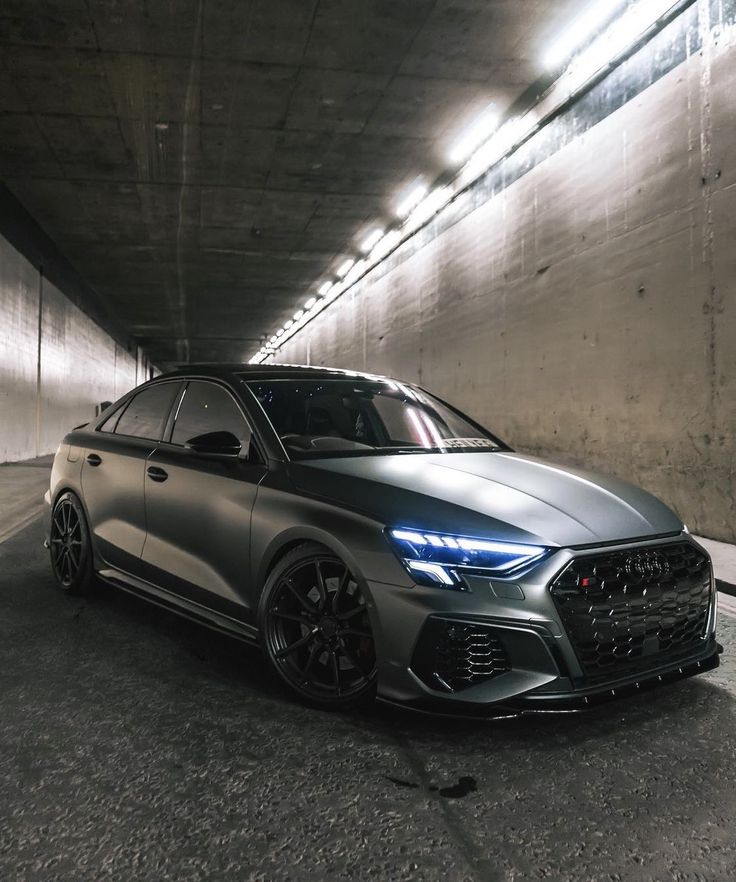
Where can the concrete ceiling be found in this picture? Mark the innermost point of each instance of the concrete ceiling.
(203, 163)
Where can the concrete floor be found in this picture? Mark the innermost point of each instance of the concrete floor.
(135, 745)
(22, 485)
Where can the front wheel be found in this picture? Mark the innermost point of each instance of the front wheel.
(69, 545)
(316, 631)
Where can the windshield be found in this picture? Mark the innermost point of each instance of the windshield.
(365, 417)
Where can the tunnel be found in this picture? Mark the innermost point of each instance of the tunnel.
(367, 460)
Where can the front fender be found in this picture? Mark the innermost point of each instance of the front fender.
(281, 519)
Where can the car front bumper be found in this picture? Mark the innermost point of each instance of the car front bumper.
(511, 631)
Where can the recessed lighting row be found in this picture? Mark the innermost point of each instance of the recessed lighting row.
(580, 52)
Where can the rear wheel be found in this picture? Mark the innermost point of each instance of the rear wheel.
(316, 631)
(69, 545)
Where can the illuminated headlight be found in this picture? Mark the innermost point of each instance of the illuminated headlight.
(436, 558)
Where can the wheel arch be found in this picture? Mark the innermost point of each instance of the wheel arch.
(69, 488)
(292, 538)
(59, 491)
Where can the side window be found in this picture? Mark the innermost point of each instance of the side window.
(205, 408)
(112, 421)
(146, 415)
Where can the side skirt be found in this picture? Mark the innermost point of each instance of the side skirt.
(181, 606)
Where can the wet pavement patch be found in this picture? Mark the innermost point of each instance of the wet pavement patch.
(399, 783)
(463, 787)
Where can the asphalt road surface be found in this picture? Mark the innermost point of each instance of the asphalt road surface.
(136, 746)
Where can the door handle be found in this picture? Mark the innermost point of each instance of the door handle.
(93, 459)
(157, 474)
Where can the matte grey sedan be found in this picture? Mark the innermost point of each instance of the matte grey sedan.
(373, 540)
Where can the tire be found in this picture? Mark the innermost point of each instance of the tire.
(315, 629)
(70, 548)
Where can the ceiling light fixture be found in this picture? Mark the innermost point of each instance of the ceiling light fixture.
(355, 271)
(583, 28)
(480, 131)
(507, 137)
(622, 32)
(343, 269)
(334, 291)
(386, 244)
(412, 199)
(430, 205)
(595, 40)
(371, 240)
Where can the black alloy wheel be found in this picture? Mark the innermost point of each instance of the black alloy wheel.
(69, 546)
(316, 630)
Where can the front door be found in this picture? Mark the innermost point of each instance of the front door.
(198, 506)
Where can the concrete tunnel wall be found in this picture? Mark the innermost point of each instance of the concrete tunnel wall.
(586, 312)
(56, 363)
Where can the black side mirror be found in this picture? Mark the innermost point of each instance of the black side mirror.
(215, 444)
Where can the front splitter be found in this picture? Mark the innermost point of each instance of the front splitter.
(560, 703)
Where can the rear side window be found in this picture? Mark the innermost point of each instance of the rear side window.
(146, 415)
(112, 420)
(208, 408)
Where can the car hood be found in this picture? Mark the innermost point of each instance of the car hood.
(507, 495)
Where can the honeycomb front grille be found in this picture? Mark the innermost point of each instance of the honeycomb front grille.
(456, 655)
(624, 610)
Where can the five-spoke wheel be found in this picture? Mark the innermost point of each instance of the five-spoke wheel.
(316, 629)
(69, 544)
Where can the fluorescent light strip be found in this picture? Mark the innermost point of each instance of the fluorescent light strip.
(344, 268)
(584, 27)
(428, 207)
(355, 272)
(386, 244)
(334, 292)
(372, 240)
(480, 131)
(621, 34)
(483, 145)
(311, 308)
(413, 199)
(506, 138)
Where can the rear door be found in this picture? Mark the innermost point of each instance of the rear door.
(198, 507)
(113, 473)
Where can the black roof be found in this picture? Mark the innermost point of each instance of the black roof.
(266, 372)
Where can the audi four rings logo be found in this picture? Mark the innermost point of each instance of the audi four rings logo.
(651, 565)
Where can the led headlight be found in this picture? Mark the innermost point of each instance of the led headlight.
(437, 558)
